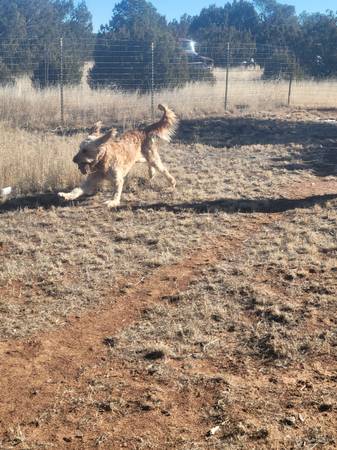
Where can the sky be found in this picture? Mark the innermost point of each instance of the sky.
(101, 10)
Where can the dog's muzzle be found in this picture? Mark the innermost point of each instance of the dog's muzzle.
(84, 168)
(76, 160)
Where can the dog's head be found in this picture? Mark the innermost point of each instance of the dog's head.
(92, 149)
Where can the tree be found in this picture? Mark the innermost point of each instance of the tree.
(316, 49)
(278, 25)
(180, 29)
(279, 65)
(12, 33)
(74, 25)
(123, 57)
(30, 32)
(234, 23)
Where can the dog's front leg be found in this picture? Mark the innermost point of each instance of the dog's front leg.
(73, 195)
(88, 187)
(118, 182)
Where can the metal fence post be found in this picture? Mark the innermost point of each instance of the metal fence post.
(152, 81)
(290, 85)
(46, 67)
(227, 75)
(61, 81)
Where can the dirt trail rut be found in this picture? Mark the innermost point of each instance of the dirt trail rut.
(33, 370)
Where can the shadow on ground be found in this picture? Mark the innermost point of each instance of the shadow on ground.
(319, 139)
(240, 205)
(320, 159)
(44, 201)
(231, 131)
(47, 201)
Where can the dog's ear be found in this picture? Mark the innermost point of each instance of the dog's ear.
(96, 129)
(114, 132)
(103, 139)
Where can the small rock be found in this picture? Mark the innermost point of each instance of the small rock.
(34, 423)
(301, 418)
(217, 317)
(213, 431)
(146, 407)
(104, 407)
(151, 370)
(325, 407)
(262, 433)
(78, 434)
(155, 354)
(289, 277)
(109, 341)
(172, 298)
(67, 439)
(289, 420)
(241, 428)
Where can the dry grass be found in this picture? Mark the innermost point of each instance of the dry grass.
(36, 162)
(151, 238)
(248, 346)
(42, 161)
(22, 105)
(243, 330)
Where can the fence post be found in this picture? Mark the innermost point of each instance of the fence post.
(46, 67)
(61, 81)
(290, 85)
(227, 75)
(152, 81)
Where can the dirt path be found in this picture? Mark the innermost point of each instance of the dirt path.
(35, 370)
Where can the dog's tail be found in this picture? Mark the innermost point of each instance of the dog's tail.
(167, 125)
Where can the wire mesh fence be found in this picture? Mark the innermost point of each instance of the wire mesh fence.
(75, 83)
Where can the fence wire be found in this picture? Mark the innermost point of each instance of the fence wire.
(75, 83)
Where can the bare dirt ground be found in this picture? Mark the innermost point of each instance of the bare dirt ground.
(198, 319)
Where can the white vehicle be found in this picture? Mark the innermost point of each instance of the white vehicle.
(188, 47)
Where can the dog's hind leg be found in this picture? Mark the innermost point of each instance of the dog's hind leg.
(117, 179)
(152, 172)
(150, 152)
(88, 187)
(156, 163)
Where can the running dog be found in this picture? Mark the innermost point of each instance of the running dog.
(107, 157)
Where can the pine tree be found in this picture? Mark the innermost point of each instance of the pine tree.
(30, 32)
(122, 53)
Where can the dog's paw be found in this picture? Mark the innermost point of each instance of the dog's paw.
(63, 195)
(66, 196)
(112, 204)
(173, 184)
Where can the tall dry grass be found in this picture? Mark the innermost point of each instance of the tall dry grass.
(35, 161)
(22, 105)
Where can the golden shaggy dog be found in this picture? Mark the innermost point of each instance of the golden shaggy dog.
(109, 158)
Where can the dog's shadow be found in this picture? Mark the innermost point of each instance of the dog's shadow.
(246, 206)
(43, 200)
(227, 205)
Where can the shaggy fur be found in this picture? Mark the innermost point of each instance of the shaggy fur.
(107, 157)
